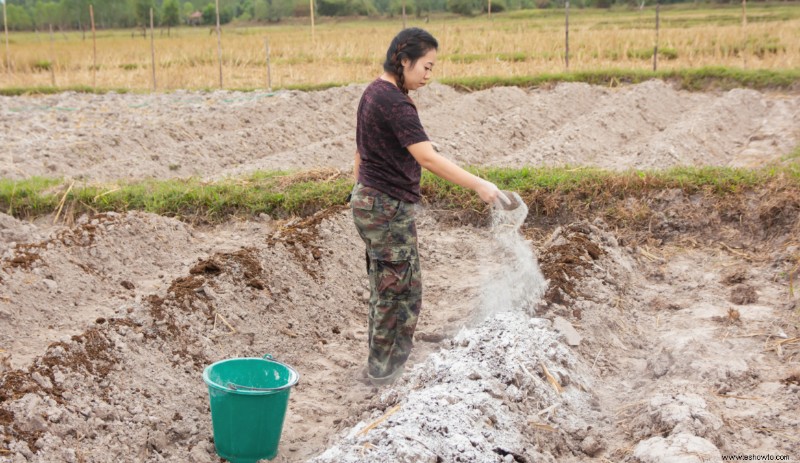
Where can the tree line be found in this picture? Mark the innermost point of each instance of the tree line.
(74, 14)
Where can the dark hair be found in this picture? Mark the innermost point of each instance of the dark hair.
(412, 43)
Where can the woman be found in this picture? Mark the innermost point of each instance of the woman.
(391, 149)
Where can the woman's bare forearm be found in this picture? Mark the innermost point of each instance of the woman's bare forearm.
(356, 165)
(443, 167)
(428, 158)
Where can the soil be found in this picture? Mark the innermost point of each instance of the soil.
(180, 134)
(579, 337)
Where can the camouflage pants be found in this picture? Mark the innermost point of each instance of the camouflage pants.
(388, 229)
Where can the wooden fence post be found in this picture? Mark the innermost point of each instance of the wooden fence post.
(269, 68)
(655, 49)
(52, 59)
(94, 46)
(744, 34)
(219, 45)
(744, 13)
(5, 28)
(566, 37)
(153, 50)
(311, 11)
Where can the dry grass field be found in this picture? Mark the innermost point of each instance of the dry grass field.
(342, 51)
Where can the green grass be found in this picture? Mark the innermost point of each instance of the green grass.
(42, 65)
(589, 183)
(27, 195)
(474, 58)
(689, 79)
(18, 91)
(675, 16)
(647, 53)
(191, 199)
(285, 194)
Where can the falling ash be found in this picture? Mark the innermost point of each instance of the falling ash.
(517, 282)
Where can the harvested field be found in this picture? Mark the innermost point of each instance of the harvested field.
(669, 326)
(514, 43)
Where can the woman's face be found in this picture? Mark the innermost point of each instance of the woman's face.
(417, 76)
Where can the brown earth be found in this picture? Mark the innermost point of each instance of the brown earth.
(670, 319)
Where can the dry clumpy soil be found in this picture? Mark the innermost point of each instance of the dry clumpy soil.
(650, 125)
(680, 345)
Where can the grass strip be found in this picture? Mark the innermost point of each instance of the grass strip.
(589, 184)
(190, 199)
(18, 91)
(286, 194)
(700, 79)
(705, 78)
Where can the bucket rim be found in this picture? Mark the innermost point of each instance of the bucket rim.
(293, 379)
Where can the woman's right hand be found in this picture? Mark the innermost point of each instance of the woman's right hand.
(489, 193)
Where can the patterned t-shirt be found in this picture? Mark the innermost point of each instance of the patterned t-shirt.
(387, 123)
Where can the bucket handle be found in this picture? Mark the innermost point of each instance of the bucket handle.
(236, 387)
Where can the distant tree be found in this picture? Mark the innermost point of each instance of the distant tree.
(141, 9)
(244, 10)
(382, 6)
(272, 10)
(113, 13)
(261, 10)
(18, 18)
(345, 7)
(422, 7)
(366, 7)
(187, 9)
(329, 7)
(396, 7)
(75, 13)
(170, 14)
(438, 5)
(227, 14)
(228, 4)
(497, 6)
(463, 7)
(47, 13)
(209, 14)
(300, 8)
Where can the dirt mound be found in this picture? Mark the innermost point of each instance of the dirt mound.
(77, 274)
(181, 134)
(649, 125)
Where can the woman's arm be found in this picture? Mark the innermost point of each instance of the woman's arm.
(356, 165)
(425, 155)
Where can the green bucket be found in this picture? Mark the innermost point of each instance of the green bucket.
(248, 398)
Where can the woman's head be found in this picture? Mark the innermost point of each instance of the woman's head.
(410, 58)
